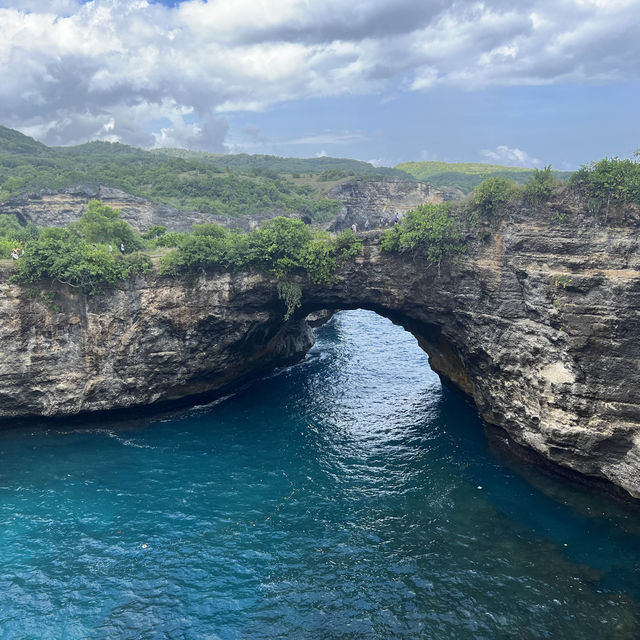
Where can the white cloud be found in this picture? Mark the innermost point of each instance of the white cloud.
(114, 67)
(503, 154)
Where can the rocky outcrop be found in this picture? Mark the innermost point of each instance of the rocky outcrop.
(363, 201)
(539, 325)
(373, 204)
(58, 208)
(152, 341)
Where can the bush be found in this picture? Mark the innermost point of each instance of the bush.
(609, 180)
(155, 231)
(171, 239)
(430, 230)
(282, 246)
(539, 187)
(493, 195)
(61, 255)
(279, 245)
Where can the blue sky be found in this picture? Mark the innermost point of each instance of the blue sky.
(527, 83)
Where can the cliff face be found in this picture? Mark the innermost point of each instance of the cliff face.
(151, 341)
(362, 200)
(539, 325)
(371, 204)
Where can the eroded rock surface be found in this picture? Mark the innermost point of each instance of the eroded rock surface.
(539, 325)
(363, 201)
(58, 208)
(374, 204)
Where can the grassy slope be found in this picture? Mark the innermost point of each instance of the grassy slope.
(467, 175)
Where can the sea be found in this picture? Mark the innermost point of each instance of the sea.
(350, 496)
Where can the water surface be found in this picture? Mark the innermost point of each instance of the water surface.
(348, 497)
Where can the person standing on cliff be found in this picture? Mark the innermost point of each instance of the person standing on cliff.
(396, 219)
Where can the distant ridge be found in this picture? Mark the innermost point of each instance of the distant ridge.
(245, 161)
(464, 176)
(234, 185)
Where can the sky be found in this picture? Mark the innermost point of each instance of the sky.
(524, 83)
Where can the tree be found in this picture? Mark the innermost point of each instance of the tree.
(102, 224)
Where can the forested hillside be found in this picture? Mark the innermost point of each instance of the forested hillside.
(230, 184)
(326, 168)
(187, 183)
(465, 176)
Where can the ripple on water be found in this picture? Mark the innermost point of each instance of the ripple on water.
(335, 499)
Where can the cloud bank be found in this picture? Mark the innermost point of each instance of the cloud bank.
(149, 75)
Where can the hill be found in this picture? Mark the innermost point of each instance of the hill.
(226, 185)
(245, 162)
(464, 176)
(14, 142)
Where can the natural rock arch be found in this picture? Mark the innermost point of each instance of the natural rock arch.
(538, 325)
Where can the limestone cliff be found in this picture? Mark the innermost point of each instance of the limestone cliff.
(539, 325)
(362, 201)
(371, 204)
(58, 208)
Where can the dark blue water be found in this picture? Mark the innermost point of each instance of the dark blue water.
(347, 497)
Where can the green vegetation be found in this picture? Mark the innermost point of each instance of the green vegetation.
(102, 224)
(608, 181)
(492, 195)
(13, 235)
(228, 185)
(86, 255)
(431, 231)
(61, 255)
(27, 165)
(344, 167)
(82, 255)
(539, 187)
(466, 176)
(281, 246)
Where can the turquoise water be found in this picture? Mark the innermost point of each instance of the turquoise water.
(339, 498)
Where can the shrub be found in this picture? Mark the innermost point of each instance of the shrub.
(279, 245)
(539, 187)
(493, 195)
(61, 255)
(155, 231)
(430, 230)
(282, 246)
(171, 239)
(102, 224)
(609, 180)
